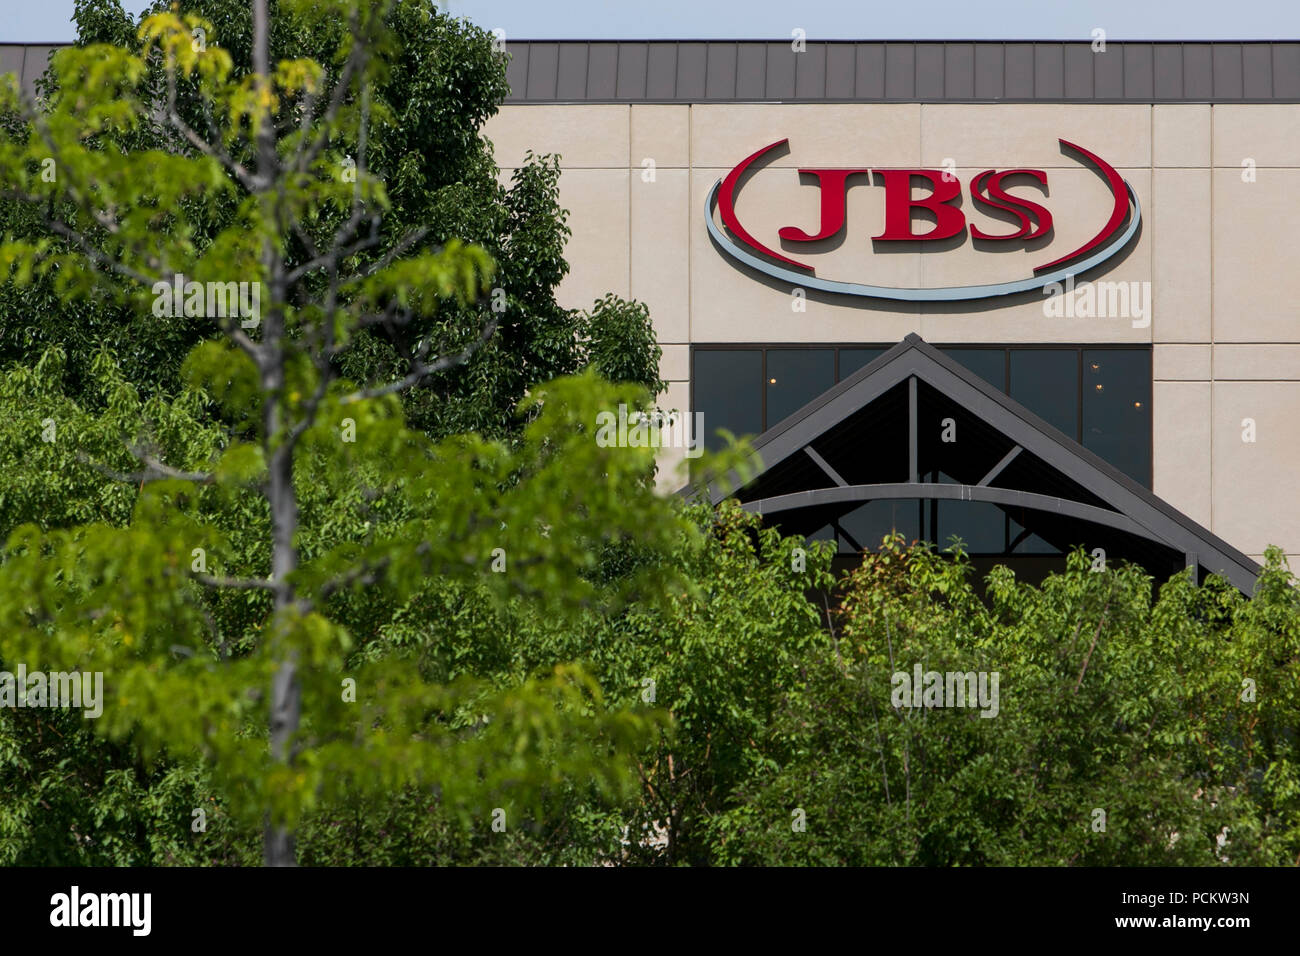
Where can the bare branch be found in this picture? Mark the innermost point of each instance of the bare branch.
(154, 471)
(387, 317)
(343, 245)
(100, 262)
(234, 584)
(167, 471)
(305, 239)
(422, 370)
(362, 574)
(401, 246)
(356, 60)
(349, 229)
(366, 574)
(336, 253)
(267, 160)
(326, 375)
(126, 477)
(308, 107)
(241, 339)
(213, 150)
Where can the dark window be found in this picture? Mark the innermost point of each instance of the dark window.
(853, 359)
(794, 378)
(1020, 541)
(988, 364)
(981, 526)
(1046, 381)
(729, 391)
(1117, 408)
(748, 389)
(868, 524)
(824, 533)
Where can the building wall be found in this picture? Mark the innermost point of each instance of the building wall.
(1225, 292)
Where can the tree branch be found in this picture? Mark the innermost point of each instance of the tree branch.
(422, 370)
(100, 262)
(167, 471)
(1096, 634)
(336, 252)
(154, 471)
(402, 245)
(211, 150)
(356, 59)
(235, 584)
(343, 245)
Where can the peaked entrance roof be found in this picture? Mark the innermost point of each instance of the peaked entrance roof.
(915, 412)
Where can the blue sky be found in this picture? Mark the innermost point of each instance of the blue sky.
(50, 20)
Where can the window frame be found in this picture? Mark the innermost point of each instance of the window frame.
(1004, 347)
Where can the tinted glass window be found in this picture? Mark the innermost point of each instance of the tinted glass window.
(1117, 409)
(980, 525)
(853, 359)
(872, 521)
(794, 378)
(1020, 542)
(728, 390)
(1046, 381)
(1060, 385)
(824, 533)
(988, 364)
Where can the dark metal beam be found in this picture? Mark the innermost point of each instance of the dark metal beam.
(997, 469)
(856, 494)
(912, 474)
(816, 418)
(853, 542)
(824, 465)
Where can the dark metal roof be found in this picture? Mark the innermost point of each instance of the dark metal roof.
(814, 461)
(896, 71)
(709, 71)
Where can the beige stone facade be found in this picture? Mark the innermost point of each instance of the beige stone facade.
(1219, 187)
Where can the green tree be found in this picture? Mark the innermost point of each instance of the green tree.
(186, 510)
(433, 84)
(1128, 731)
(273, 483)
(716, 657)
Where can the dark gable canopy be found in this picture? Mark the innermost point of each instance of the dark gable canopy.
(875, 434)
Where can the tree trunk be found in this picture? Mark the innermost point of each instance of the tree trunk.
(286, 702)
(278, 845)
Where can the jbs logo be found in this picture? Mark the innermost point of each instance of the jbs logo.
(1027, 219)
